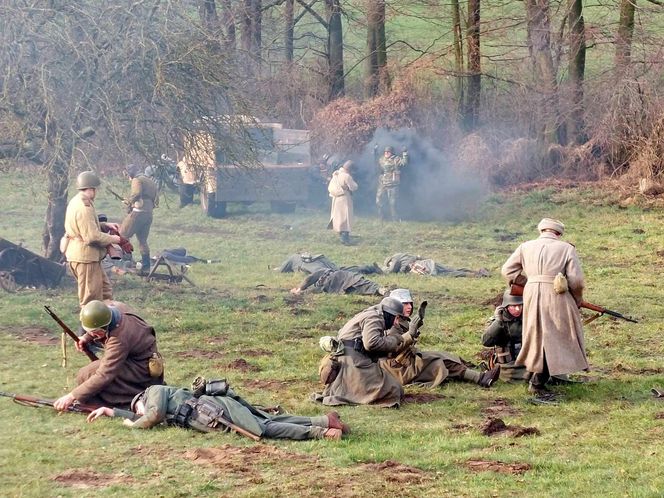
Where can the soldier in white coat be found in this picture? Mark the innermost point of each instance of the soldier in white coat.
(341, 188)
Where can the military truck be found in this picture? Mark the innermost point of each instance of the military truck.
(281, 176)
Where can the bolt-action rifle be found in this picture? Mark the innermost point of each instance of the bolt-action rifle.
(70, 333)
(37, 402)
(517, 290)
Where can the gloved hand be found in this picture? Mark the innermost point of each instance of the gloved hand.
(414, 328)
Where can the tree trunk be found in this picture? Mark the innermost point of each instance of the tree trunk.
(245, 31)
(472, 107)
(289, 31)
(577, 67)
(545, 75)
(335, 50)
(229, 24)
(376, 78)
(625, 32)
(54, 223)
(458, 57)
(257, 27)
(207, 11)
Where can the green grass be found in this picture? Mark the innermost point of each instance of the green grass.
(604, 440)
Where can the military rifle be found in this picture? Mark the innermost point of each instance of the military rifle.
(517, 290)
(117, 196)
(37, 402)
(70, 333)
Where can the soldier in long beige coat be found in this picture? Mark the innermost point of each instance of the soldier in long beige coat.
(361, 380)
(341, 188)
(552, 331)
(84, 243)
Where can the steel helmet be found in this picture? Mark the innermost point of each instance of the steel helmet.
(510, 300)
(95, 315)
(87, 179)
(392, 306)
(402, 295)
(389, 148)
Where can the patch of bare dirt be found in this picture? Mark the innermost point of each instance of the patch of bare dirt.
(199, 353)
(494, 301)
(638, 371)
(34, 334)
(500, 407)
(217, 341)
(659, 416)
(257, 352)
(242, 365)
(493, 426)
(86, 478)
(497, 466)
(270, 385)
(396, 472)
(261, 298)
(421, 398)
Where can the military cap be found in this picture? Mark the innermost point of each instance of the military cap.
(551, 224)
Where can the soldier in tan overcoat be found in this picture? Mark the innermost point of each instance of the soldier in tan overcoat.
(363, 341)
(341, 188)
(552, 330)
(428, 368)
(130, 364)
(85, 244)
(141, 202)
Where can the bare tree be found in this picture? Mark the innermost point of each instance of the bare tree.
(472, 105)
(376, 78)
(134, 78)
(577, 69)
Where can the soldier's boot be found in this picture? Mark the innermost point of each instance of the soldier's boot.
(345, 238)
(485, 379)
(145, 264)
(334, 422)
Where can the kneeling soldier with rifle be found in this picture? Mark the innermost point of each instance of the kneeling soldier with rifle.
(130, 364)
(212, 406)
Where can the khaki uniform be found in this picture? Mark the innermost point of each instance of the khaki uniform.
(422, 368)
(361, 380)
(552, 329)
(122, 372)
(142, 201)
(388, 183)
(162, 402)
(340, 189)
(86, 248)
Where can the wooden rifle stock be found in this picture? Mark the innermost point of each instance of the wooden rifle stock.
(37, 402)
(70, 333)
(227, 423)
(604, 311)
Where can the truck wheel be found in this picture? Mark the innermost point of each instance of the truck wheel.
(282, 207)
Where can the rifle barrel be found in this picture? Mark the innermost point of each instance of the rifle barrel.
(91, 356)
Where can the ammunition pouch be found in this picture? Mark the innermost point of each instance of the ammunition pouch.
(200, 414)
(358, 346)
(156, 365)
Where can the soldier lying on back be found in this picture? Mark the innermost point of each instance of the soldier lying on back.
(209, 404)
(309, 263)
(428, 368)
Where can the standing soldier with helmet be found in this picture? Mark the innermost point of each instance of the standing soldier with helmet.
(142, 199)
(388, 182)
(85, 244)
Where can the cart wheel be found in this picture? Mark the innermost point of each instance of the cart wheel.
(7, 281)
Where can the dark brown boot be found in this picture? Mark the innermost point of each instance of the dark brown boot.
(334, 422)
(488, 378)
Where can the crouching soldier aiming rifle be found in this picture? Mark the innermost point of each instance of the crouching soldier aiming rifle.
(213, 406)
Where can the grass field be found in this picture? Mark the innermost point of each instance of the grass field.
(241, 323)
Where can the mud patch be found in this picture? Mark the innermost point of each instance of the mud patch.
(638, 371)
(497, 466)
(199, 353)
(500, 407)
(261, 298)
(495, 301)
(396, 472)
(34, 334)
(86, 478)
(292, 299)
(422, 398)
(270, 385)
(659, 416)
(494, 426)
(242, 365)
(257, 352)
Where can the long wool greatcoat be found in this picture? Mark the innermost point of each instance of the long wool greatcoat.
(341, 187)
(362, 381)
(122, 372)
(551, 322)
